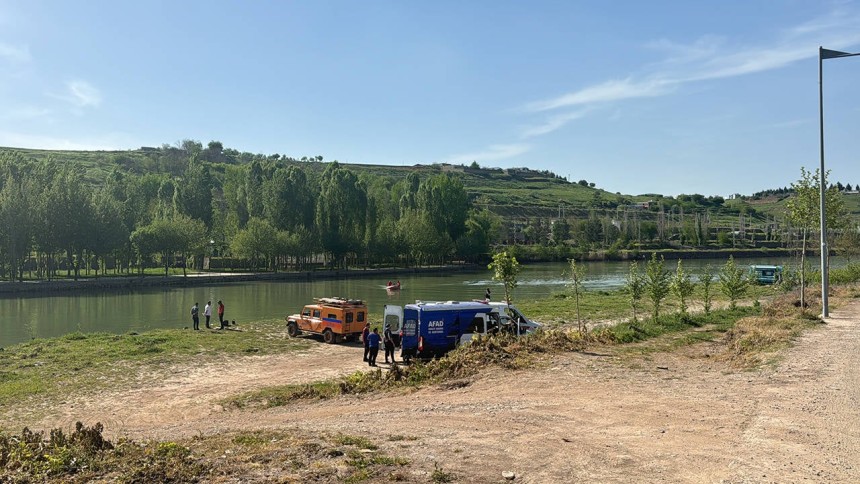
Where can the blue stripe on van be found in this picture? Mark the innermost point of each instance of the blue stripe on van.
(332, 320)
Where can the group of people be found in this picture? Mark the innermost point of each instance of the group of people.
(207, 313)
(372, 340)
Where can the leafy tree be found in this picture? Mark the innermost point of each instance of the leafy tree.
(111, 233)
(682, 286)
(847, 243)
(657, 283)
(635, 286)
(706, 279)
(560, 231)
(505, 269)
(576, 276)
(340, 212)
(804, 212)
(254, 189)
(733, 282)
(256, 242)
(408, 201)
(443, 198)
(67, 217)
(194, 193)
(16, 223)
(419, 234)
(482, 228)
(288, 199)
(170, 236)
(591, 230)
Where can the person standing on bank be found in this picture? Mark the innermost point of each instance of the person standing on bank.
(194, 316)
(388, 341)
(207, 311)
(221, 314)
(487, 295)
(365, 333)
(373, 344)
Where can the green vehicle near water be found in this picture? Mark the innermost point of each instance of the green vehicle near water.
(765, 274)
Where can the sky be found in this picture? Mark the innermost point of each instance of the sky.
(665, 97)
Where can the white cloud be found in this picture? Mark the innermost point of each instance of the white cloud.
(792, 123)
(80, 94)
(608, 91)
(492, 153)
(551, 124)
(14, 53)
(709, 58)
(704, 47)
(83, 93)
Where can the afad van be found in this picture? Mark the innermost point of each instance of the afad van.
(431, 329)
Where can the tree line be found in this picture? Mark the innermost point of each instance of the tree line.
(176, 206)
(269, 214)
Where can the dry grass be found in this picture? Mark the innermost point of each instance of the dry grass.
(261, 456)
(755, 340)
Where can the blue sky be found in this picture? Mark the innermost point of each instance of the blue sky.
(639, 97)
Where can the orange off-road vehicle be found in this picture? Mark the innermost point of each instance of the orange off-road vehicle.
(336, 319)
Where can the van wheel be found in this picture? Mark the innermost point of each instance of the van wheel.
(292, 329)
(329, 337)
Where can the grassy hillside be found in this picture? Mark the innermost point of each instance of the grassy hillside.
(519, 189)
(518, 192)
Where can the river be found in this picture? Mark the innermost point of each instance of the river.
(44, 316)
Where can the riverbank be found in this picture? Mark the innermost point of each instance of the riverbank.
(111, 283)
(624, 412)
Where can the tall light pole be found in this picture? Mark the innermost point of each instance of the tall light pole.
(824, 54)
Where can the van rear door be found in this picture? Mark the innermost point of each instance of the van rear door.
(393, 315)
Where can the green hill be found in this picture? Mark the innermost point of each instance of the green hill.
(261, 208)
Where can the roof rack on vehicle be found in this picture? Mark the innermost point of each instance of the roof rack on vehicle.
(339, 301)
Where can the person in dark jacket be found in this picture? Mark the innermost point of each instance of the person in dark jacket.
(388, 341)
(364, 336)
(373, 345)
(195, 311)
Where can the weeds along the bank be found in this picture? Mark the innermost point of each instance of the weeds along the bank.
(755, 340)
(84, 455)
(503, 351)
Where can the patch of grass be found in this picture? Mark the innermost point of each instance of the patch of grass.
(753, 339)
(360, 442)
(439, 475)
(631, 332)
(612, 306)
(79, 362)
(400, 438)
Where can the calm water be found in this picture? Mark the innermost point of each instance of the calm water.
(119, 312)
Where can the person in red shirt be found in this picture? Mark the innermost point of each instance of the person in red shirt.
(221, 314)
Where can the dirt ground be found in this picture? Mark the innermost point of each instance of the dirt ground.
(583, 417)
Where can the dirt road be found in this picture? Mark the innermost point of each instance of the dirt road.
(595, 417)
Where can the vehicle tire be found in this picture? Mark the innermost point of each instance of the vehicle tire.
(329, 337)
(292, 329)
